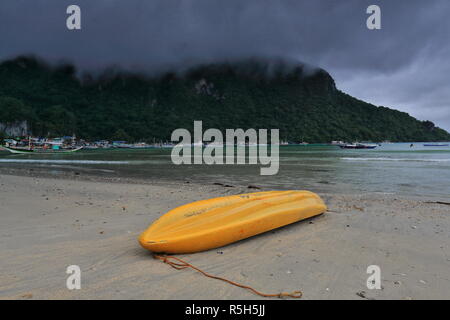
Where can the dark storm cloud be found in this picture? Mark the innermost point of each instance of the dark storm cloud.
(404, 65)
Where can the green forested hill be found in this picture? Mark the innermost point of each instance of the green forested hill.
(304, 106)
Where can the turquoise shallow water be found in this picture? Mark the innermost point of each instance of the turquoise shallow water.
(390, 168)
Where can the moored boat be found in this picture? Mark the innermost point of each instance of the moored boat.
(18, 150)
(357, 146)
(436, 145)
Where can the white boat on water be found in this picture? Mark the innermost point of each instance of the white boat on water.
(24, 150)
(357, 145)
(436, 145)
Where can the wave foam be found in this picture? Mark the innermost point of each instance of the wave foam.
(396, 159)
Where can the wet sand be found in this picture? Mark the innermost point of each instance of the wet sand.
(48, 224)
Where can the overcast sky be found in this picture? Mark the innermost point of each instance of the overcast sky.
(405, 65)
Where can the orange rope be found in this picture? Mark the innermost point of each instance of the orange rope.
(180, 264)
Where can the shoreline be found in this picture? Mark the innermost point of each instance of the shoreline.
(82, 174)
(51, 223)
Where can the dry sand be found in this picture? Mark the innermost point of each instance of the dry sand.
(49, 224)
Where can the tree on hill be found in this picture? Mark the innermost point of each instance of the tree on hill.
(12, 109)
(2, 137)
(121, 135)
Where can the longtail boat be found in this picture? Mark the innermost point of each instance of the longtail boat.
(39, 150)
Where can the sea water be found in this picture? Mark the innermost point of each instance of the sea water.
(396, 168)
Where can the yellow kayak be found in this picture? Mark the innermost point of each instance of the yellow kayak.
(213, 223)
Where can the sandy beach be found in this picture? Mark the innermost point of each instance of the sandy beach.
(48, 224)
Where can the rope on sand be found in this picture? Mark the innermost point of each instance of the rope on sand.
(180, 264)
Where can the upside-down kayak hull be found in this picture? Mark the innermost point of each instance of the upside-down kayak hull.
(213, 223)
